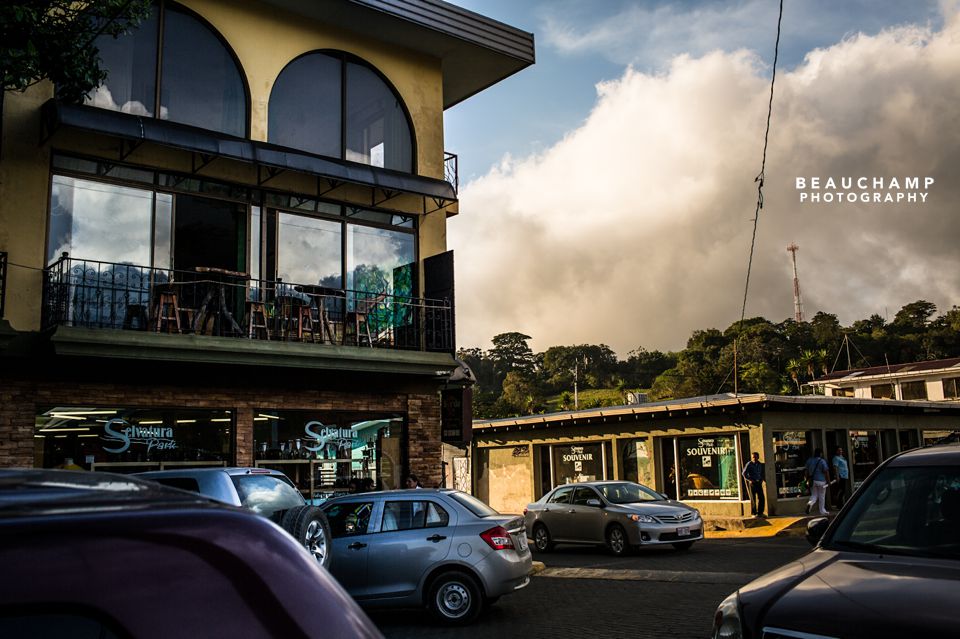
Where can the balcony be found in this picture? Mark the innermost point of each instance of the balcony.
(214, 303)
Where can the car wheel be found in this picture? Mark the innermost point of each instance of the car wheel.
(617, 540)
(541, 538)
(683, 545)
(310, 528)
(455, 598)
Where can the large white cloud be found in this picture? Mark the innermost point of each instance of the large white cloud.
(634, 229)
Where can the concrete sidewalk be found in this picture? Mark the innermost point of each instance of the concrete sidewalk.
(755, 527)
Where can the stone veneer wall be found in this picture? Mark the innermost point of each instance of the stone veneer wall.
(19, 401)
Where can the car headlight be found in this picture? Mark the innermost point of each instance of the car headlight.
(643, 519)
(726, 621)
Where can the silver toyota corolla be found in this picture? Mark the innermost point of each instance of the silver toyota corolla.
(620, 514)
(443, 549)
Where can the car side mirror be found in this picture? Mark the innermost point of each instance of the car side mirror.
(816, 528)
(595, 503)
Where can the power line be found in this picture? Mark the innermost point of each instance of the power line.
(759, 180)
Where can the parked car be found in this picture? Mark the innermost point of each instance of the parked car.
(887, 566)
(442, 549)
(266, 492)
(102, 556)
(620, 514)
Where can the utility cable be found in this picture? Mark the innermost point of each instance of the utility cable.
(759, 180)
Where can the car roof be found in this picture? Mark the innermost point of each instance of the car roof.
(37, 491)
(937, 455)
(199, 472)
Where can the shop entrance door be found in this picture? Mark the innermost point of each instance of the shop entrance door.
(668, 468)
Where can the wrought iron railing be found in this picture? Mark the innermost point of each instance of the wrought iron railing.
(451, 170)
(3, 281)
(95, 294)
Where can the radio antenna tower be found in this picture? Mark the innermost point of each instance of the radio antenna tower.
(797, 304)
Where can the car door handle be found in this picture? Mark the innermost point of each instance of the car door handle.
(436, 538)
(356, 546)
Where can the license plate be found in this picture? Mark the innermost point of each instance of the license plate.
(683, 532)
(523, 542)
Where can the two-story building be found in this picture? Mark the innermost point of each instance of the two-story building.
(935, 380)
(234, 252)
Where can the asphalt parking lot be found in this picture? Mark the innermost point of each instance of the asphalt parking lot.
(584, 592)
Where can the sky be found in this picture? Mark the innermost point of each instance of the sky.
(607, 192)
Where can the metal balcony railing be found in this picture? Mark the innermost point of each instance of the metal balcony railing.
(3, 281)
(451, 170)
(95, 294)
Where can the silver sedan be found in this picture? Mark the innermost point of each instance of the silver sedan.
(442, 549)
(620, 514)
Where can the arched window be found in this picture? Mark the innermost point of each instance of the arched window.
(200, 82)
(335, 105)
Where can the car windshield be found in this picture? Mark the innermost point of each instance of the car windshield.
(473, 504)
(628, 493)
(908, 511)
(267, 494)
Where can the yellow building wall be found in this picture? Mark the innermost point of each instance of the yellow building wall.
(265, 40)
(506, 480)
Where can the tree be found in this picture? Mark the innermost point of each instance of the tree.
(54, 40)
(511, 352)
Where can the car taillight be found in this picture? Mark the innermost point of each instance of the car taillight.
(497, 538)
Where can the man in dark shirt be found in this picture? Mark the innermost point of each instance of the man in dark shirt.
(753, 473)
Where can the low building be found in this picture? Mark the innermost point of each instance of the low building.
(935, 380)
(694, 449)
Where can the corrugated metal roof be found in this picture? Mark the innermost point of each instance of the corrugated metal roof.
(892, 369)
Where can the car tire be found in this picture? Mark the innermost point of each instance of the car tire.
(309, 526)
(617, 540)
(455, 598)
(542, 540)
(683, 545)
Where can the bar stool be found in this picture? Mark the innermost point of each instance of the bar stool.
(305, 323)
(167, 312)
(257, 323)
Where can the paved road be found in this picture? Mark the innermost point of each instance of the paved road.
(585, 592)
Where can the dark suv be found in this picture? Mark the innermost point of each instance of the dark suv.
(887, 566)
(101, 556)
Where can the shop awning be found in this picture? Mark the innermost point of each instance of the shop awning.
(209, 145)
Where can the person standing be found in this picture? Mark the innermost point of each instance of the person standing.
(412, 481)
(817, 473)
(753, 473)
(841, 473)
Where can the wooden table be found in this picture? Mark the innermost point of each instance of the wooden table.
(214, 305)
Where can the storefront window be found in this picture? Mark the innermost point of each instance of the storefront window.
(932, 437)
(635, 461)
(132, 439)
(330, 453)
(865, 454)
(708, 467)
(578, 462)
(791, 449)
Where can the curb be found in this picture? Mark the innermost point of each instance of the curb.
(538, 566)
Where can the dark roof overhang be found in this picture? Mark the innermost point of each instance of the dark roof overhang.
(476, 51)
(269, 159)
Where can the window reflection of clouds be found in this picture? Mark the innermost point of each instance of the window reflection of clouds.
(384, 249)
(309, 250)
(99, 221)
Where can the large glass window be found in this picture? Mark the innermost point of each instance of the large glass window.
(99, 221)
(330, 453)
(708, 467)
(635, 461)
(131, 439)
(309, 250)
(951, 388)
(865, 453)
(200, 82)
(305, 106)
(307, 112)
(791, 449)
(576, 463)
(380, 260)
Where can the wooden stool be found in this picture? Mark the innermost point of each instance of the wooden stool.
(305, 323)
(257, 320)
(168, 312)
